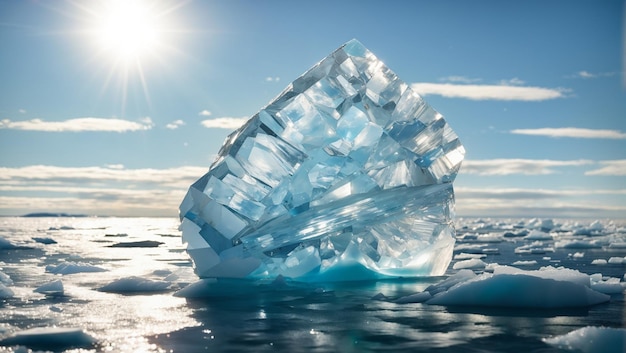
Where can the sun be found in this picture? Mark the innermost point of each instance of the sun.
(129, 30)
(128, 40)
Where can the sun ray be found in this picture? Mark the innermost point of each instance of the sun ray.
(127, 38)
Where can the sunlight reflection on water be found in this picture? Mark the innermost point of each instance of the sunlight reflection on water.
(244, 317)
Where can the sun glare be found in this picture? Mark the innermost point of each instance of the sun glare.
(129, 30)
(127, 38)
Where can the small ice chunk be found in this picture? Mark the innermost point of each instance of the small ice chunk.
(6, 245)
(5, 292)
(538, 235)
(577, 244)
(614, 260)
(600, 262)
(137, 244)
(467, 256)
(50, 338)
(68, 267)
(524, 263)
(5, 279)
(610, 286)
(44, 240)
(198, 289)
(135, 284)
(578, 255)
(414, 298)
(379, 296)
(591, 339)
(475, 264)
(51, 288)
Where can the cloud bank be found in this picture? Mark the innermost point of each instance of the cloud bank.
(78, 125)
(224, 123)
(489, 92)
(572, 132)
(504, 166)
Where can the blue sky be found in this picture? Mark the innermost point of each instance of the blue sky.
(104, 121)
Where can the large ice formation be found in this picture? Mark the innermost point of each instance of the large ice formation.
(346, 175)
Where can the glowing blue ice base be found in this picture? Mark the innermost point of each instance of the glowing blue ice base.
(346, 175)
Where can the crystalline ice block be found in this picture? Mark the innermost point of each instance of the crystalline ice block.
(346, 175)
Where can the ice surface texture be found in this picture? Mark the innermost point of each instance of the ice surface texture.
(346, 175)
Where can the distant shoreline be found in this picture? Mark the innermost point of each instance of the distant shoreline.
(52, 214)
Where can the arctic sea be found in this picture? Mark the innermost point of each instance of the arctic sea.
(109, 285)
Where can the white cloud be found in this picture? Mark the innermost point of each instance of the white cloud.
(175, 124)
(224, 123)
(460, 79)
(505, 166)
(614, 168)
(78, 125)
(489, 92)
(205, 113)
(572, 132)
(171, 177)
(22, 111)
(272, 79)
(110, 190)
(115, 166)
(587, 75)
(512, 82)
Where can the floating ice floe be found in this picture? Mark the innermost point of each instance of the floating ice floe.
(538, 235)
(5, 292)
(135, 284)
(67, 268)
(591, 339)
(510, 287)
(44, 240)
(346, 175)
(51, 288)
(474, 264)
(50, 338)
(577, 244)
(524, 263)
(137, 244)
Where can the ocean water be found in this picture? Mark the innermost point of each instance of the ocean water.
(292, 317)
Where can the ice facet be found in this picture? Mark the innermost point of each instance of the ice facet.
(348, 171)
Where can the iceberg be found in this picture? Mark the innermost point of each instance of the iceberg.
(346, 175)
